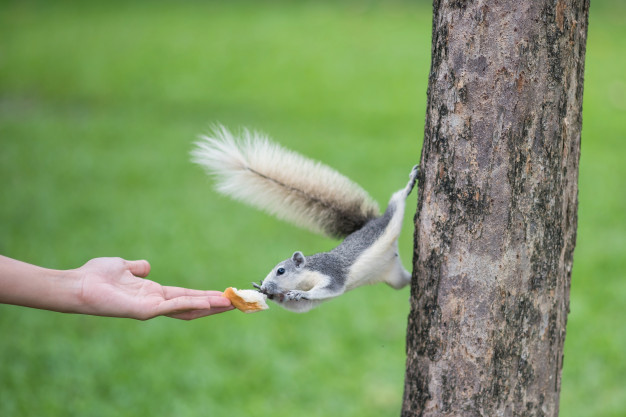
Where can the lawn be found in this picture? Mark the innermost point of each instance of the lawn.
(99, 106)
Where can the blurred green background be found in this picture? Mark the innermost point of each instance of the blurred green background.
(99, 105)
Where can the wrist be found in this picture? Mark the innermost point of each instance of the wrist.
(54, 290)
(66, 291)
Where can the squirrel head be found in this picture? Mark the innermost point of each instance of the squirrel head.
(291, 274)
(285, 276)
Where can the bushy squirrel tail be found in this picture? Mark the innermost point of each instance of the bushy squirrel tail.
(265, 175)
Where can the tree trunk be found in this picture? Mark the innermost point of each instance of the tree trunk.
(496, 216)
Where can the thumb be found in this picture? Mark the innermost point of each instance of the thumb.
(138, 268)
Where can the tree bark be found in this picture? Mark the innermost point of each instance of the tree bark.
(497, 208)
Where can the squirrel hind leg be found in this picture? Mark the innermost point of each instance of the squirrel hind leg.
(412, 180)
(398, 277)
(401, 195)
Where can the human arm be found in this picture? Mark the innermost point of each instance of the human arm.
(111, 287)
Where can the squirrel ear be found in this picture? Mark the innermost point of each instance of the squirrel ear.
(298, 259)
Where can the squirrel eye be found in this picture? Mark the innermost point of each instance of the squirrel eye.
(280, 271)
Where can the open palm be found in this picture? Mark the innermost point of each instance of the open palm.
(115, 287)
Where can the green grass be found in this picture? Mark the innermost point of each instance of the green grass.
(99, 105)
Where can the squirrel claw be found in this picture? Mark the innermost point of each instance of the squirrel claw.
(295, 295)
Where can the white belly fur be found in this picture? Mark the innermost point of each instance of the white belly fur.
(379, 260)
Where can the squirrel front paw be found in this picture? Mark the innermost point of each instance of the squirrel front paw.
(295, 295)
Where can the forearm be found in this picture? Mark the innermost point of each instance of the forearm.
(33, 286)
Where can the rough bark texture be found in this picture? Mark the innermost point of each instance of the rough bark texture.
(496, 219)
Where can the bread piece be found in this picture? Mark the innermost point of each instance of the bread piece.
(248, 301)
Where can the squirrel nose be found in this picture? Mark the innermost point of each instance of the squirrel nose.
(269, 288)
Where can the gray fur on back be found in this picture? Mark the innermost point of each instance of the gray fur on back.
(338, 261)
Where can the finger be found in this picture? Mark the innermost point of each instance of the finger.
(183, 304)
(172, 292)
(219, 301)
(138, 268)
(190, 315)
(196, 314)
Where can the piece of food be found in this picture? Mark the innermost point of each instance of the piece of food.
(248, 301)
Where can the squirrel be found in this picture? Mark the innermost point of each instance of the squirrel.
(260, 173)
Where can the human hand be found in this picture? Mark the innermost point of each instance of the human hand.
(115, 287)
